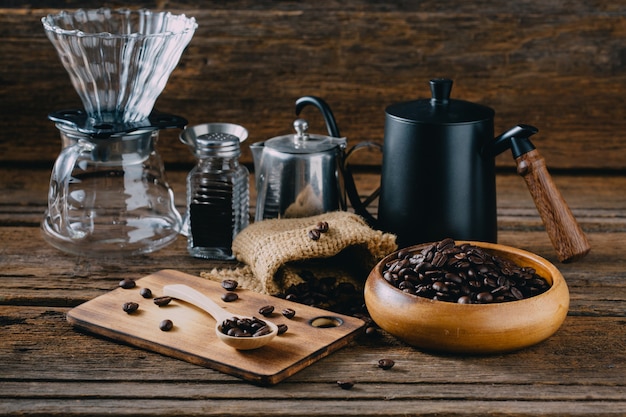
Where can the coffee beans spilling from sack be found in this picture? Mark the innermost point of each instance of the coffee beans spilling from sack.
(464, 274)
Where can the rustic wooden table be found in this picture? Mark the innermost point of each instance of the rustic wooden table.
(48, 368)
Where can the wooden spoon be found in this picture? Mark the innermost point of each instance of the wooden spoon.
(194, 297)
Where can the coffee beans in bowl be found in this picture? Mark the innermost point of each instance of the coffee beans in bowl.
(463, 273)
(470, 297)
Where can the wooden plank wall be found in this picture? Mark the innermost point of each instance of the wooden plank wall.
(559, 65)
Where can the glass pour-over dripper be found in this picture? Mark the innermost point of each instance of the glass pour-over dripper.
(108, 193)
(119, 60)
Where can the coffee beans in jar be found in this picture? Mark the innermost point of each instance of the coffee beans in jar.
(464, 273)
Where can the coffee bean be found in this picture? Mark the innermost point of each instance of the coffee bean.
(463, 273)
(229, 297)
(145, 293)
(372, 332)
(266, 310)
(314, 234)
(130, 307)
(289, 313)
(162, 301)
(127, 283)
(230, 284)
(262, 331)
(386, 363)
(282, 329)
(345, 384)
(322, 227)
(166, 325)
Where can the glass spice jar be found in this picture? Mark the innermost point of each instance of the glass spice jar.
(218, 196)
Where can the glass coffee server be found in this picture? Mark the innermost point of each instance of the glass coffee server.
(108, 193)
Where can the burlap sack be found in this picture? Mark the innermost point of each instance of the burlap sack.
(277, 252)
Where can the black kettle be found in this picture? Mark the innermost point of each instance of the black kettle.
(438, 175)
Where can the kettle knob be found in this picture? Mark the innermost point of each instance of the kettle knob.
(440, 89)
(301, 126)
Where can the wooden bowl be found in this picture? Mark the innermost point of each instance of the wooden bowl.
(470, 328)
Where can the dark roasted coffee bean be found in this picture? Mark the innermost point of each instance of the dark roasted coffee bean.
(282, 329)
(229, 296)
(465, 299)
(266, 310)
(322, 227)
(166, 325)
(386, 363)
(162, 301)
(289, 313)
(314, 234)
(145, 293)
(484, 297)
(130, 307)
(517, 293)
(262, 331)
(127, 283)
(440, 286)
(345, 384)
(229, 284)
(372, 332)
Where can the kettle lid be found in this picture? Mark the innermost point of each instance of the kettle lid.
(303, 142)
(440, 108)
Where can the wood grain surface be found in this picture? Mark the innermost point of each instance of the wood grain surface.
(51, 369)
(559, 67)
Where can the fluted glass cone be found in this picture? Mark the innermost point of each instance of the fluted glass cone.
(119, 60)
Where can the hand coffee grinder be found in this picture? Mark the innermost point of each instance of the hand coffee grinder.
(108, 192)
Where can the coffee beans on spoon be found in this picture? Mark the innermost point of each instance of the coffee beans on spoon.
(245, 327)
(464, 273)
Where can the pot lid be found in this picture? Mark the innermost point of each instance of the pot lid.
(440, 108)
(302, 142)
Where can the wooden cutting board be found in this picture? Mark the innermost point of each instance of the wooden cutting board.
(193, 338)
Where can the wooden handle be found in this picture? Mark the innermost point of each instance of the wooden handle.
(566, 235)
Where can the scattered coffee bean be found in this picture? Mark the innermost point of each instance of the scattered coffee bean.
(266, 310)
(465, 274)
(162, 301)
(282, 329)
(127, 283)
(345, 384)
(145, 293)
(372, 332)
(230, 284)
(386, 364)
(314, 234)
(245, 327)
(166, 325)
(289, 313)
(322, 227)
(229, 296)
(130, 307)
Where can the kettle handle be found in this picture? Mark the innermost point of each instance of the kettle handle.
(565, 233)
(360, 207)
(324, 108)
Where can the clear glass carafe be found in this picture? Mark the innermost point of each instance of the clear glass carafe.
(109, 197)
(218, 196)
